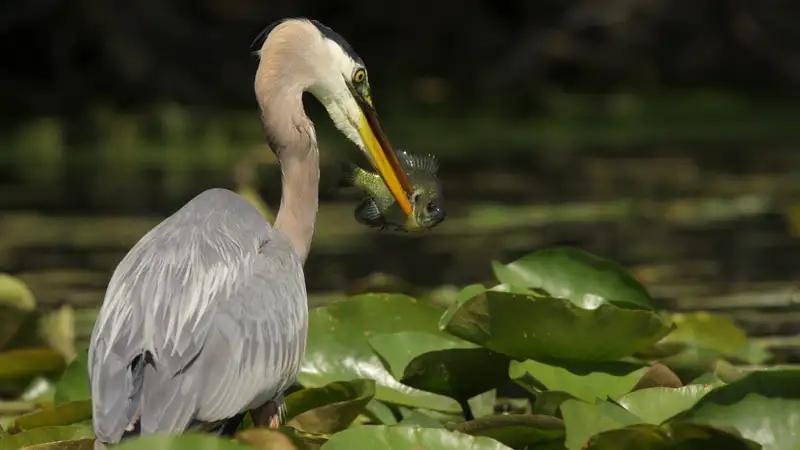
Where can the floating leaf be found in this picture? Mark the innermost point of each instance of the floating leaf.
(419, 418)
(284, 438)
(381, 437)
(708, 331)
(330, 408)
(74, 382)
(46, 435)
(16, 303)
(29, 362)
(585, 279)
(179, 442)
(516, 430)
(380, 413)
(533, 327)
(586, 381)
(337, 348)
(669, 437)
(440, 364)
(658, 375)
(583, 420)
(763, 406)
(549, 402)
(77, 444)
(64, 414)
(655, 405)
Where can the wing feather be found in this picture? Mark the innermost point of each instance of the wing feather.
(218, 300)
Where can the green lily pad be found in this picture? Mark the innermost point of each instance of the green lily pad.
(518, 431)
(64, 414)
(337, 348)
(73, 385)
(440, 364)
(483, 404)
(16, 303)
(549, 402)
(669, 437)
(707, 379)
(76, 444)
(708, 331)
(284, 438)
(330, 408)
(401, 437)
(583, 420)
(380, 413)
(29, 362)
(585, 279)
(586, 381)
(45, 435)
(533, 327)
(763, 406)
(180, 442)
(419, 418)
(656, 405)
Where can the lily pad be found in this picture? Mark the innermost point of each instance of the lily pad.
(419, 418)
(64, 414)
(587, 381)
(180, 442)
(549, 402)
(380, 413)
(77, 444)
(669, 437)
(330, 408)
(659, 375)
(284, 438)
(440, 364)
(337, 348)
(16, 302)
(587, 280)
(708, 331)
(763, 406)
(583, 420)
(29, 362)
(74, 382)
(401, 437)
(518, 431)
(45, 435)
(533, 327)
(656, 405)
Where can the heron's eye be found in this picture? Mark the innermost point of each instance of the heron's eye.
(359, 76)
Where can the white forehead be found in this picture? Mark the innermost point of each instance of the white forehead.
(341, 61)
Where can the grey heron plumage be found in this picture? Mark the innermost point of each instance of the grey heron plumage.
(206, 316)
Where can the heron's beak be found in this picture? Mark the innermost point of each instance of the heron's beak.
(383, 157)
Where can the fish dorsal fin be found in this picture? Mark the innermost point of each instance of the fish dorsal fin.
(425, 163)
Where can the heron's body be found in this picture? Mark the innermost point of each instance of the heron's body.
(206, 316)
(206, 286)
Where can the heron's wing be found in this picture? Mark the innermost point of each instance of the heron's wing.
(183, 305)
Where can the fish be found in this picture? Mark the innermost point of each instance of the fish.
(379, 208)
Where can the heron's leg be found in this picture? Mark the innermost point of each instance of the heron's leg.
(231, 425)
(266, 415)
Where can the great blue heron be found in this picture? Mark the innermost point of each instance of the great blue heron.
(206, 316)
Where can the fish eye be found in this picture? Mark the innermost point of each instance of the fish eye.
(432, 208)
(360, 75)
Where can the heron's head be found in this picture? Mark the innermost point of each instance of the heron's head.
(312, 57)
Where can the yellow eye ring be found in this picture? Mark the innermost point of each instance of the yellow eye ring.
(359, 76)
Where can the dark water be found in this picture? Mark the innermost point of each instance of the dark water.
(700, 228)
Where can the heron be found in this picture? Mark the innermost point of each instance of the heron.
(206, 317)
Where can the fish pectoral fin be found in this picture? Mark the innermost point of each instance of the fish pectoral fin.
(367, 213)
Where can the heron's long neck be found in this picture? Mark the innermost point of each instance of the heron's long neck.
(291, 136)
(299, 200)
